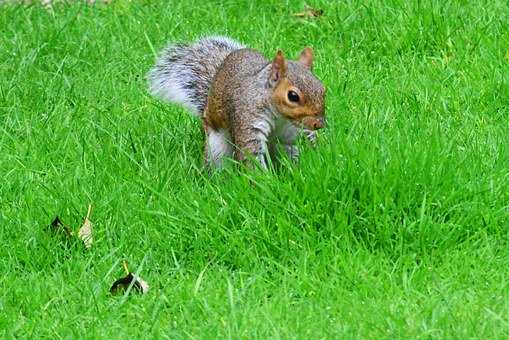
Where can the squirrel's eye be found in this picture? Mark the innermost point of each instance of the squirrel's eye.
(293, 96)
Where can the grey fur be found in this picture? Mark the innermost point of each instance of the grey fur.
(183, 72)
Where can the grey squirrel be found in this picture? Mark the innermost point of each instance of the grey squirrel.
(250, 107)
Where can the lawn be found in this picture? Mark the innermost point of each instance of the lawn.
(395, 226)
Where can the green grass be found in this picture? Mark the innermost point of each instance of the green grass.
(396, 226)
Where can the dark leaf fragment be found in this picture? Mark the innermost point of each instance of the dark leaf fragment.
(58, 227)
(121, 285)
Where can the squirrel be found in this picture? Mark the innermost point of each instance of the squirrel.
(251, 108)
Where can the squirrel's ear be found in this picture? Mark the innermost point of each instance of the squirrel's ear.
(306, 58)
(278, 69)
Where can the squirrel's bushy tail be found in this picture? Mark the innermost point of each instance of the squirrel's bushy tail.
(183, 72)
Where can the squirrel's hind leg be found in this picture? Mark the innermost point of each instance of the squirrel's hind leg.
(217, 147)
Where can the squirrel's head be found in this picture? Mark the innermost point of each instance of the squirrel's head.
(297, 94)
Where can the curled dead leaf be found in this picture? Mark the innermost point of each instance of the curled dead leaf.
(122, 284)
(130, 280)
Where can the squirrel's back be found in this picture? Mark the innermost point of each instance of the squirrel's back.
(237, 83)
(184, 72)
(239, 72)
(244, 62)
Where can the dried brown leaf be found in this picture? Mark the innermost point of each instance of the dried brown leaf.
(85, 232)
(121, 285)
(47, 3)
(309, 12)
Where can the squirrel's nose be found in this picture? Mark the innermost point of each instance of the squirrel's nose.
(319, 123)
